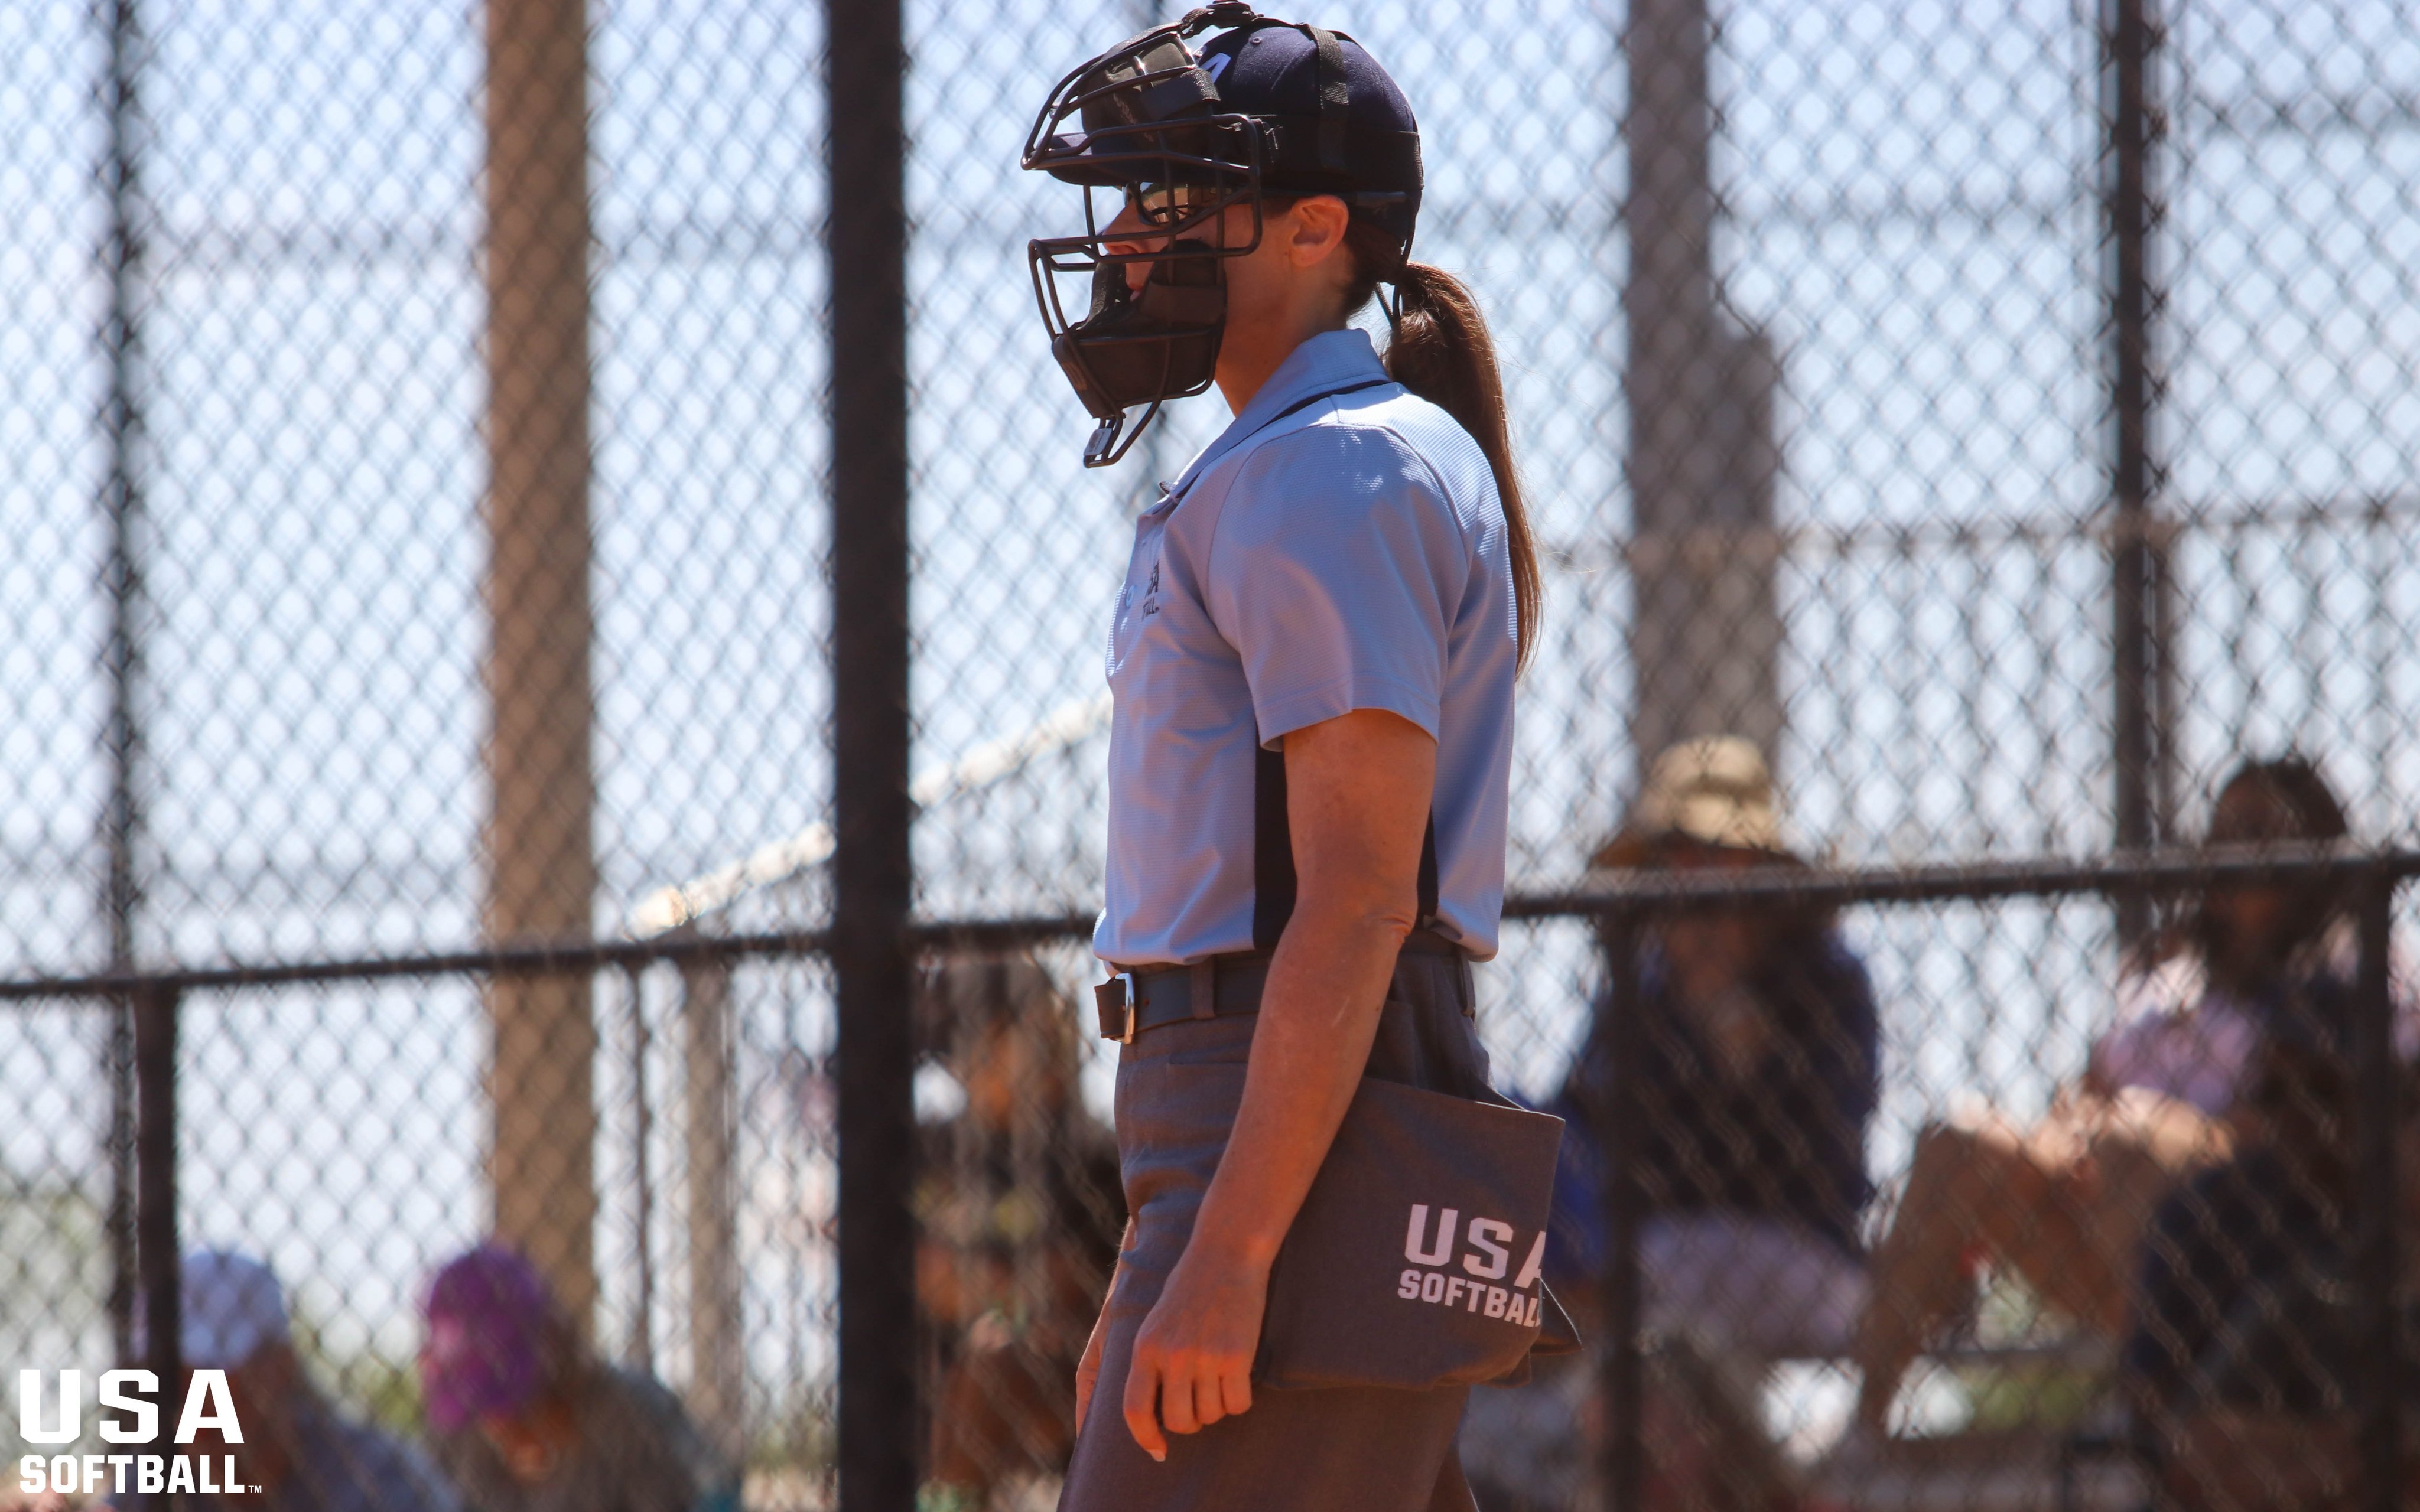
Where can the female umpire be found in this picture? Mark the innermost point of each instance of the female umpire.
(1312, 660)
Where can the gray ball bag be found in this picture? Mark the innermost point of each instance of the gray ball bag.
(1417, 1258)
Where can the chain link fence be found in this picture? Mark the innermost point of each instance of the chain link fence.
(428, 537)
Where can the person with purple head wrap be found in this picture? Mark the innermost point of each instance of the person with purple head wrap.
(525, 1418)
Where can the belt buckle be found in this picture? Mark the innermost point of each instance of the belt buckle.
(1113, 1003)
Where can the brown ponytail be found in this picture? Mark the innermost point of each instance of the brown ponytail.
(1442, 352)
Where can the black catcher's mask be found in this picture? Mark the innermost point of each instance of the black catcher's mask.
(1153, 125)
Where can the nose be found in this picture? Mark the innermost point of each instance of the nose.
(1124, 237)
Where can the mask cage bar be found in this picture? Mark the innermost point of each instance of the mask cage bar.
(1091, 167)
(1124, 168)
(1107, 448)
(1062, 103)
(1048, 257)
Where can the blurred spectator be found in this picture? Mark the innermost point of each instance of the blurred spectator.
(2063, 1204)
(2242, 1365)
(1757, 1076)
(1018, 1208)
(296, 1446)
(525, 1418)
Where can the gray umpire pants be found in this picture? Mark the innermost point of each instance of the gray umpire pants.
(1371, 1449)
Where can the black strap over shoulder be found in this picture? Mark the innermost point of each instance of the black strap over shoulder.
(1273, 874)
(1428, 883)
(1274, 881)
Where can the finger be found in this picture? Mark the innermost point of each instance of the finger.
(1142, 1405)
(1176, 1396)
(1084, 1381)
(1209, 1398)
(1236, 1386)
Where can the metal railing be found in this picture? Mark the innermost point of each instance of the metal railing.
(1618, 905)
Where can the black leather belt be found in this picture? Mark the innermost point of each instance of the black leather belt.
(1133, 1001)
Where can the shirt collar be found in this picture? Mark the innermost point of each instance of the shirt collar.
(1330, 361)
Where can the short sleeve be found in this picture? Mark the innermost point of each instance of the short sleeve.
(1336, 569)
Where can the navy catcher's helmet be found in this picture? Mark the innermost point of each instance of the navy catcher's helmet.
(1267, 109)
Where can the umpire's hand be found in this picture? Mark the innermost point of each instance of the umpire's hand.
(1193, 1355)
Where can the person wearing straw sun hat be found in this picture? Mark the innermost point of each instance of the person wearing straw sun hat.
(1712, 791)
(1758, 1074)
(1755, 1080)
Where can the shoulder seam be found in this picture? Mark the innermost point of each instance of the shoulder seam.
(1336, 418)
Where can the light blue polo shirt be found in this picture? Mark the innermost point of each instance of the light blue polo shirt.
(1340, 545)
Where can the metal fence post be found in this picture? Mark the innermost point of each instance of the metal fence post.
(541, 863)
(2138, 672)
(642, 1353)
(1620, 1383)
(872, 881)
(122, 251)
(718, 1347)
(158, 1258)
(2379, 1259)
(1705, 632)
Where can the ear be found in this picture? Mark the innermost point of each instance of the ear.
(1316, 226)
